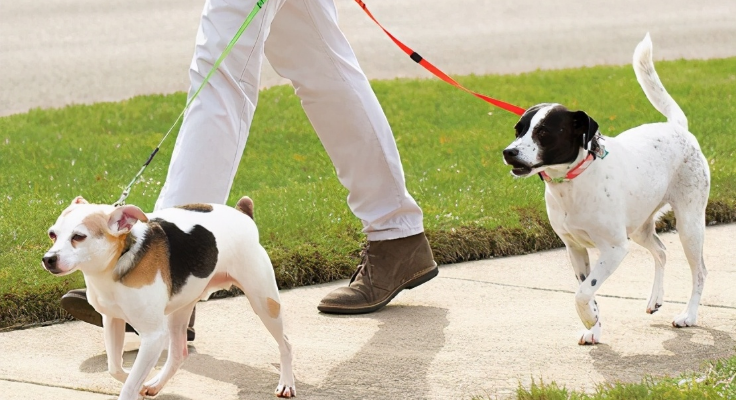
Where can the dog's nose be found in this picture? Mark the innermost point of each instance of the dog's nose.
(510, 152)
(50, 262)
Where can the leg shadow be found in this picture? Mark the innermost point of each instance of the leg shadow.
(688, 356)
(393, 364)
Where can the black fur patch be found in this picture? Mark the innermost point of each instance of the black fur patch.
(199, 207)
(559, 137)
(583, 277)
(593, 282)
(190, 253)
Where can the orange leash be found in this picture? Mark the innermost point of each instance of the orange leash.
(436, 71)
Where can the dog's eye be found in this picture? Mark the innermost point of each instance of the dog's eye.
(52, 236)
(78, 237)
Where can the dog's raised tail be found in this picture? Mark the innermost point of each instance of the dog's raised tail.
(643, 64)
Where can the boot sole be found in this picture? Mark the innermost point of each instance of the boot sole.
(80, 308)
(429, 274)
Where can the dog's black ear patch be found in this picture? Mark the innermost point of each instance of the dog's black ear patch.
(199, 207)
(190, 253)
(586, 128)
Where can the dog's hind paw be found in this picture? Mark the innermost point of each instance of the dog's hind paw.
(285, 391)
(684, 320)
(591, 336)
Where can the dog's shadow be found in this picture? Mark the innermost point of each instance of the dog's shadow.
(688, 355)
(394, 361)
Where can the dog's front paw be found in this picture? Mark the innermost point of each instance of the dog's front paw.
(684, 320)
(285, 391)
(655, 302)
(591, 336)
(652, 308)
(151, 388)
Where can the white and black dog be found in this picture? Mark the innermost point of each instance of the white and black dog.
(151, 270)
(601, 190)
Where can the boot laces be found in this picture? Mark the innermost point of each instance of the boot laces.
(362, 267)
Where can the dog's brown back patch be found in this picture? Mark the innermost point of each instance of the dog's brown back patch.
(199, 207)
(245, 204)
(274, 308)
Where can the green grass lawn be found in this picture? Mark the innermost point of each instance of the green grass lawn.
(450, 145)
(717, 381)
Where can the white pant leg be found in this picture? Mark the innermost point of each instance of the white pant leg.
(307, 47)
(215, 127)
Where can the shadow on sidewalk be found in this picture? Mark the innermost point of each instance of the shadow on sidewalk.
(688, 356)
(393, 363)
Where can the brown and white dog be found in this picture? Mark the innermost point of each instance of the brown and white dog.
(600, 190)
(151, 270)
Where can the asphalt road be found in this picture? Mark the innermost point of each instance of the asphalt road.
(58, 52)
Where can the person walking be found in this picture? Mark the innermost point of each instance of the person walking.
(303, 43)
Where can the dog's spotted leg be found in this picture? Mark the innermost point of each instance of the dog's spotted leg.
(114, 339)
(586, 306)
(263, 295)
(579, 258)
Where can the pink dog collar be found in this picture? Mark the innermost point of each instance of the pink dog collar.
(577, 170)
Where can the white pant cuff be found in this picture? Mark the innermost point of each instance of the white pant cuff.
(394, 234)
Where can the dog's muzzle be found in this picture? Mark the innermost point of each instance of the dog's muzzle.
(50, 264)
(520, 168)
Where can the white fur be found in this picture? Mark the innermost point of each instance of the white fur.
(648, 168)
(159, 318)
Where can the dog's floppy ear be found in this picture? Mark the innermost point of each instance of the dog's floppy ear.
(586, 128)
(79, 200)
(122, 219)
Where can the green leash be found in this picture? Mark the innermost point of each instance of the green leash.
(230, 45)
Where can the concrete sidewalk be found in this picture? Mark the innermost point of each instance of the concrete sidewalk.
(479, 328)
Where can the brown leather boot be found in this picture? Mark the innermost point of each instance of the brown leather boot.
(76, 304)
(388, 266)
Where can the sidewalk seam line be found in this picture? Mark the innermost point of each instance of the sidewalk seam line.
(572, 292)
(58, 386)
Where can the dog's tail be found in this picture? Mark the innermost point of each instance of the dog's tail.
(245, 204)
(643, 64)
